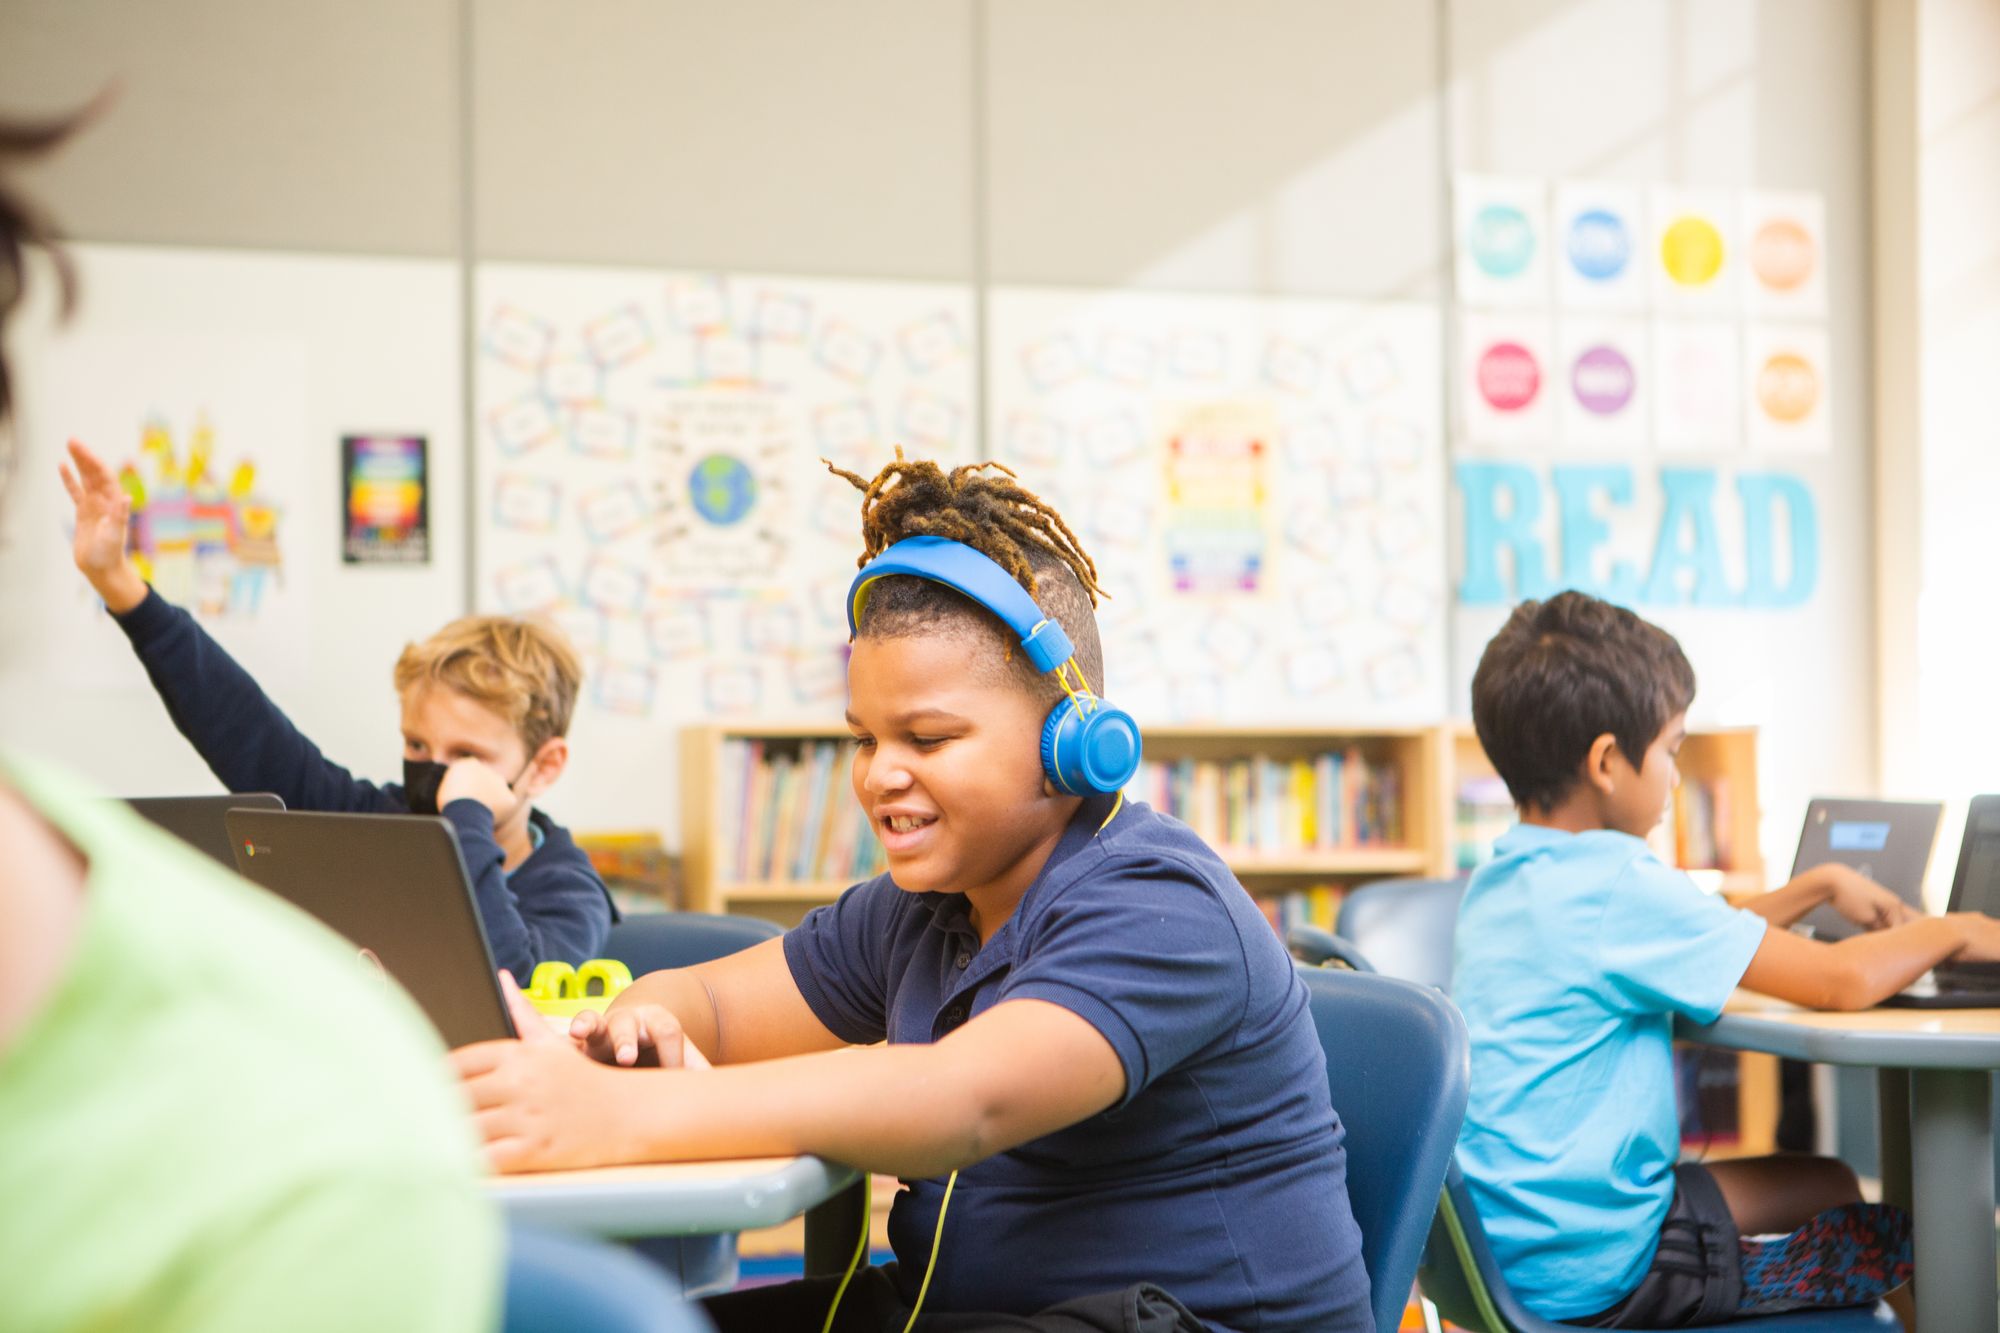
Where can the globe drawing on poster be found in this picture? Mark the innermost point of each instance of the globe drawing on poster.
(649, 447)
(1259, 481)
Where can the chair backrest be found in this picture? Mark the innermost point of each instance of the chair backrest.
(649, 941)
(1404, 926)
(1397, 1068)
(557, 1282)
(1316, 947)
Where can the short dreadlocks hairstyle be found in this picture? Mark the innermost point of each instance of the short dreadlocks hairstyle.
(1002, 520)
(1563, 672)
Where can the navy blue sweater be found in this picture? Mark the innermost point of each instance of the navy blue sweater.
(554, 905)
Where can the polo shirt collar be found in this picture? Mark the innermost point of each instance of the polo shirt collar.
(1527, 838)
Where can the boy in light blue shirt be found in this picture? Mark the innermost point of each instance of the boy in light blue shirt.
(1576, 948)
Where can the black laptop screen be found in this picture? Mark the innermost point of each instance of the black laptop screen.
(1981, 890)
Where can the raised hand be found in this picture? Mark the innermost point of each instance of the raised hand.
(103, 510)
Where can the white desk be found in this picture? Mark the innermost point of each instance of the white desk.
(684, 1216)
(671, 1199)
(1934, 1071)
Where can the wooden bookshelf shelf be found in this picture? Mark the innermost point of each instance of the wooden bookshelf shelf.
(1360, 861)
(810, 891)
(1429, 768)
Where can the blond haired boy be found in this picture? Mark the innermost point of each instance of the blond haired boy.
(486, 704)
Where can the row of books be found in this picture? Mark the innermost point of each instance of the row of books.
(1695, 837)
(1327, 802)
(1703, 816)
(789, 815)
(1316, 906)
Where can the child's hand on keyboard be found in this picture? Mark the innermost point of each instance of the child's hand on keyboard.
(636, 1035)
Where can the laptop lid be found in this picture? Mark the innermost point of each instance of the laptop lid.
(1888, 841)
(197, 820)
(1975, 887)
(395, 886)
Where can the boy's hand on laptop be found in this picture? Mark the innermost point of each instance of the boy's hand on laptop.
(1863, 901)
(103, 510)
(1982, 937)
(476, 780)
(539, 1103)
(638, 1035)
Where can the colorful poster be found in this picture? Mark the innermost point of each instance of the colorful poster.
(1502, 230)
(1784, 239)
(650, 448)
(1218, 497)
(207, 436)
(1785, 369)
(1258, 481)
(1604, 367)
(1599, 240)
(1507, 378)
(1694, 250)
(1697, 381)
(385, 500)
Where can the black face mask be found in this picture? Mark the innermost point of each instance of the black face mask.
(421, 780)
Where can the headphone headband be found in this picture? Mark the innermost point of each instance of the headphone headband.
(977, 576)
(1087, 745)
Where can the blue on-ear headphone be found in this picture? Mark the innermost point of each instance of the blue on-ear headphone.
(1088, 745)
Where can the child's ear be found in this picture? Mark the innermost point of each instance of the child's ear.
(1597, 765)
(548, 765)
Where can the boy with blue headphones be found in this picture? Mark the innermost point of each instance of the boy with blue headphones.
(1100, 1083)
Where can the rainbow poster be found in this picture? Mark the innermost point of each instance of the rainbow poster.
(385, 509)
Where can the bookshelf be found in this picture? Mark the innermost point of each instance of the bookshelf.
(1442, 786)
(1713, 833)
(1379, 831)
(763, 870)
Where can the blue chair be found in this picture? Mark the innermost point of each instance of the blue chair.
(558, 1282)
(1320, 948)
(1459, 1275)
(649, 941)
(1404, 927)
(1397, 1068)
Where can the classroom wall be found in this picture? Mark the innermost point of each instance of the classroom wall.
(1288, 148)
(1729, 96)
(1936, 128)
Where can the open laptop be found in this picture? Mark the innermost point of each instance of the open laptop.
(197, 820)
(1888, 841)
(1975, 887)
(396, 887)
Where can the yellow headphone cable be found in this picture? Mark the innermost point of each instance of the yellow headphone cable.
(861, 1248)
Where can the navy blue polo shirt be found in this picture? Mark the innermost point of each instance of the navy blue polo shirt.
(1219, 1175)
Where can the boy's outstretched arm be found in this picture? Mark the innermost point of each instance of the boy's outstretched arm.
(1852, 894)
(244, 738)
(1863, 971)
(1022, 1069)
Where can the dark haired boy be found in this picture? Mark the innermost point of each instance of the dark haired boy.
(1576, 947)
(1098, 1054)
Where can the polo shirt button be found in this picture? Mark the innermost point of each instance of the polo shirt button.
(954, 1016)
(964, 960)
